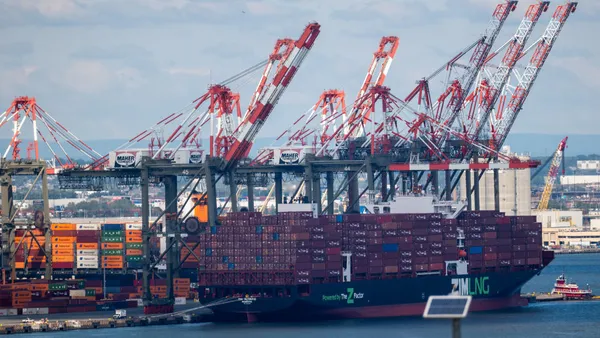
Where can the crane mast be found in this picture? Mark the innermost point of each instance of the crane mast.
(552, 174)
(527, 79)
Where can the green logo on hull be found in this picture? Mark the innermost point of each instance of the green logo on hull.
(471, 286)
(349, 296)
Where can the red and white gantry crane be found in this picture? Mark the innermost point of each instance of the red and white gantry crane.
(23, 109)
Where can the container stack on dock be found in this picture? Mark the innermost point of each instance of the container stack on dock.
(63, 245)
(133, 246)
(112, 246)
(30, 248)
(88, 236)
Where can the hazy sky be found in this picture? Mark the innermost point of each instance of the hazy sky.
(110, 68)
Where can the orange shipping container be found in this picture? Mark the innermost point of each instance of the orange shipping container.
(130, 239)
(134, 252)
(62, 246)
(87, 246)
(112, 259)
(63, 240)
(63, 226)
(19, 265)
(112, 246)
(112, 265)
(134, 233)
(63, 252)
(62, 259)
(38, 287)
(36, 259)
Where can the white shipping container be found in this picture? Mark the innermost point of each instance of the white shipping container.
(179, 300)
(87, 252)
(36, 311)
(291, 154)
(87, 258)
(77, 293)
(3, 312)
(13, 312)
(126, 158)
(88, 227)
(133, 226)
(87, 265)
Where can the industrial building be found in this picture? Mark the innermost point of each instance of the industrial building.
(515, 189)
(564, 237)
(588, 165)
(580, 180)
(560, 218)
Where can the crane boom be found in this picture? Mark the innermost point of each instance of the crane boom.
(502, 73)
(476, 63)
(552, 174)
(266, 101)
(526, 81)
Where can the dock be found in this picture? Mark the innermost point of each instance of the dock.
(88, 324)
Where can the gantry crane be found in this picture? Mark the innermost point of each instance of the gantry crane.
(557, 160)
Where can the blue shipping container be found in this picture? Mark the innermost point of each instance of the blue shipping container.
(390, 247)
(113, 289)
(259, 229)
(474, 250)
(225, 259)
(213, 230)
(208, 252)
(231, 266)
(259, 259)
(275, 237)
(135, 265)
(112, 227)
(339, 218)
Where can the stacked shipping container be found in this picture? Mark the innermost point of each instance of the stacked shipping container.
(27, 246)
(251, 249)
(87, 246)
(63, 245)
(133, 245)
(112, 246)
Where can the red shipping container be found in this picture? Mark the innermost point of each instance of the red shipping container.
(390, 269)
(534, 261)
(64, 233)
(436, 266)
(375, 269)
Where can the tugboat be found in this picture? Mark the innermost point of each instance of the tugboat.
(570, 290)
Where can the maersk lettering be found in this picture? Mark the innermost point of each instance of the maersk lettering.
(472, 286)
(349, 296)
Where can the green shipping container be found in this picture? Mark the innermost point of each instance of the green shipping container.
(112, 233)
(112, 252)
(90, 292)
(81, 285)
(134, 245)
(57, 287)
(134, 258)
(112, 239)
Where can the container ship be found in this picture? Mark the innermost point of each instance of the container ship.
(297, 265)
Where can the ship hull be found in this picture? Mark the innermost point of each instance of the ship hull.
(378, 298)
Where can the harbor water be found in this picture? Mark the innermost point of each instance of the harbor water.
(547, 320)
